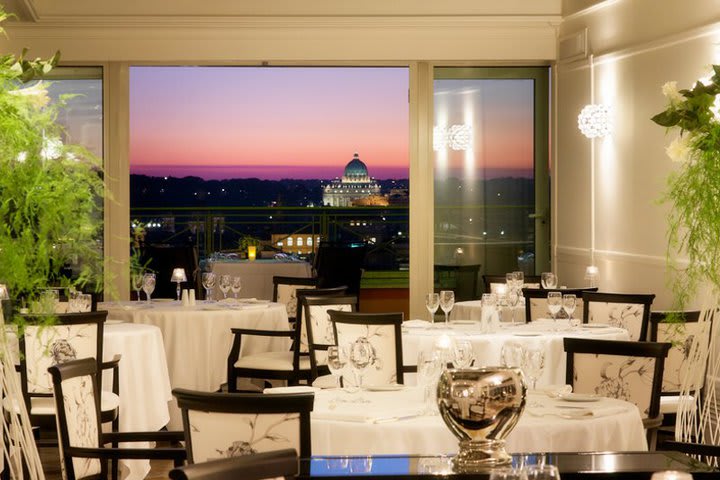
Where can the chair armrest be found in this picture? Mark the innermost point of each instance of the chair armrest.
(161, 436)
(129, 453)
(263, 333)
(114, 365)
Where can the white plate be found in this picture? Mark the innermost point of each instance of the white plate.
(526, 334)
(594, 325)
(384, 388)
(579, 397)
(464, 322)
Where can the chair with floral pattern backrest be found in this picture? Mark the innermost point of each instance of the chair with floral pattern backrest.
(256, 466)
(48, 340)
(627, 370)
(681, 334)
(383, 332)
(285, 292)
(536, 301)
(319, 327)
(223, 425)
(625, 310)
(81, 439)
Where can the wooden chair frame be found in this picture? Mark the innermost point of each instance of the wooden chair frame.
(88, 366)
(246, 403)
(394, 319)
(631, 298)
(530, 293)
(258, 466)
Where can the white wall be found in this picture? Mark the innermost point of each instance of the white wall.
(638, 45)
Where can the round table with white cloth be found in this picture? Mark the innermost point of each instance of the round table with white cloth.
(392, 423)
(257, 276)
(198, 338)
(487, 347)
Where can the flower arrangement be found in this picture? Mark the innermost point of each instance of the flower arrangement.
(694, 189)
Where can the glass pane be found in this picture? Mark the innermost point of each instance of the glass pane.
(484, 142)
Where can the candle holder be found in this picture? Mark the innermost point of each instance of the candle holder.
(178, 276)
(252, 253)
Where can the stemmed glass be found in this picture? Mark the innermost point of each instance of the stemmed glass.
(554, 304)
(513, 297)
(447, 301)
(548, 280)
(225, 282)
(542, 472)
(208, 283)
(360, 356)
(519, 282)
(236, 286)
(429, 367)
(489, 312)
(463, 355)
(336, 362)
(137, 283)
(432, 302)
(569, 302)
(513, 355)
(148, 285)
(507, 473)
(534, 362)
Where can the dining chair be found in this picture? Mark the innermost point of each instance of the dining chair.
(625, 310)
(536, 301)
(627, 370)
(320, 333)
(46, 340)
(292, 365)
(491, 282)
(255, 466)
(462, 279)
(681, 333)
(224, 425)
(83, 454)
(340, 264)
(384, 332)
(285, 292)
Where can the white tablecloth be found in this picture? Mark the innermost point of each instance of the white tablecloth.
(144, 382)
(257, 275)
(488, 347)
(198, 339)
(616, 425)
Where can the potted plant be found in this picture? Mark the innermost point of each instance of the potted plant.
(50, 192)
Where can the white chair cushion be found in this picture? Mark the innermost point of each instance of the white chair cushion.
(46, 405)
(669, 403)
(278, 361)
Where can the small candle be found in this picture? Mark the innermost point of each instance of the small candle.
(252, 252)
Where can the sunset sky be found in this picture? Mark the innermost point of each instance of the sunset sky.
(306, 122)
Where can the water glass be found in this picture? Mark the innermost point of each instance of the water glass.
(137, 283)
(429, 368)
(361, 357)
(534, 364)
(569, 302)
(236, 286)
(148, 285)
(513, 298)
(513, 355)
(336, 362)
(447, 302)
(542, 472)
(489, 322)
(463, 355)
(225, 283)
(508, 473)
(548, 280)
(554, 304)
(432, 302)
(208, 283)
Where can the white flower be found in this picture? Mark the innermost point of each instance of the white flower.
(670, 90)
(680, 150)
(52, 148)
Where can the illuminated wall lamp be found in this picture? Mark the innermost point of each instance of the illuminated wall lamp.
(594, 121)
(455, 137)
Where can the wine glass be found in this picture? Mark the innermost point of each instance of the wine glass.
(534, 362)
(361, 357)
(489, 313)
(432, 302)
(512, 298)
(569, 302)
(548, 280)
(554, 304)
(225, 282)
(463, 355)
(208, 283)
(429, 367)
(519, 282)
(148, 285)
(336, 362)
(236, 286)
(542, 472)
(447, 301)
(137, 283)
(513, 354)
(507, 473)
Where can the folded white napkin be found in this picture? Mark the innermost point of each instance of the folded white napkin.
(293, 389)
(416, 324)
(576, 412)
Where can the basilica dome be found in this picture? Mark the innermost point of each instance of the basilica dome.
(356, 168)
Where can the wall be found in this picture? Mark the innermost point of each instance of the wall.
(638, 45)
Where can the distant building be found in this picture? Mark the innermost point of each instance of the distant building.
(353, 188)
(297, 243)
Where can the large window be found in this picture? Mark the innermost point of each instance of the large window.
(491, 174)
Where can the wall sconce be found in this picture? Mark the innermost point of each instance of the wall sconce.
(456, 137)
(252, 252)
(594, 121)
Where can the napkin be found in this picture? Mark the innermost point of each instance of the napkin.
(293, 389)
(575, 412)
(416, 324)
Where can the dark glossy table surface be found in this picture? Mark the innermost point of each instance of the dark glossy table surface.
(620, 465)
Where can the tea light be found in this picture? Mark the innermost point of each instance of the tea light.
(252, 252)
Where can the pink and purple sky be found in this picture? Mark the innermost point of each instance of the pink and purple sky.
(306, 122)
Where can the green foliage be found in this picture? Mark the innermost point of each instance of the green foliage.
(694, 190)
(50, 193)
(247, 241)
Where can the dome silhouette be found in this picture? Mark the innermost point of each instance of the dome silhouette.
(356, 168)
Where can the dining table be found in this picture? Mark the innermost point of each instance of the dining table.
(545, 335)
(197, 338)
(257, 275)
(397, 420)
